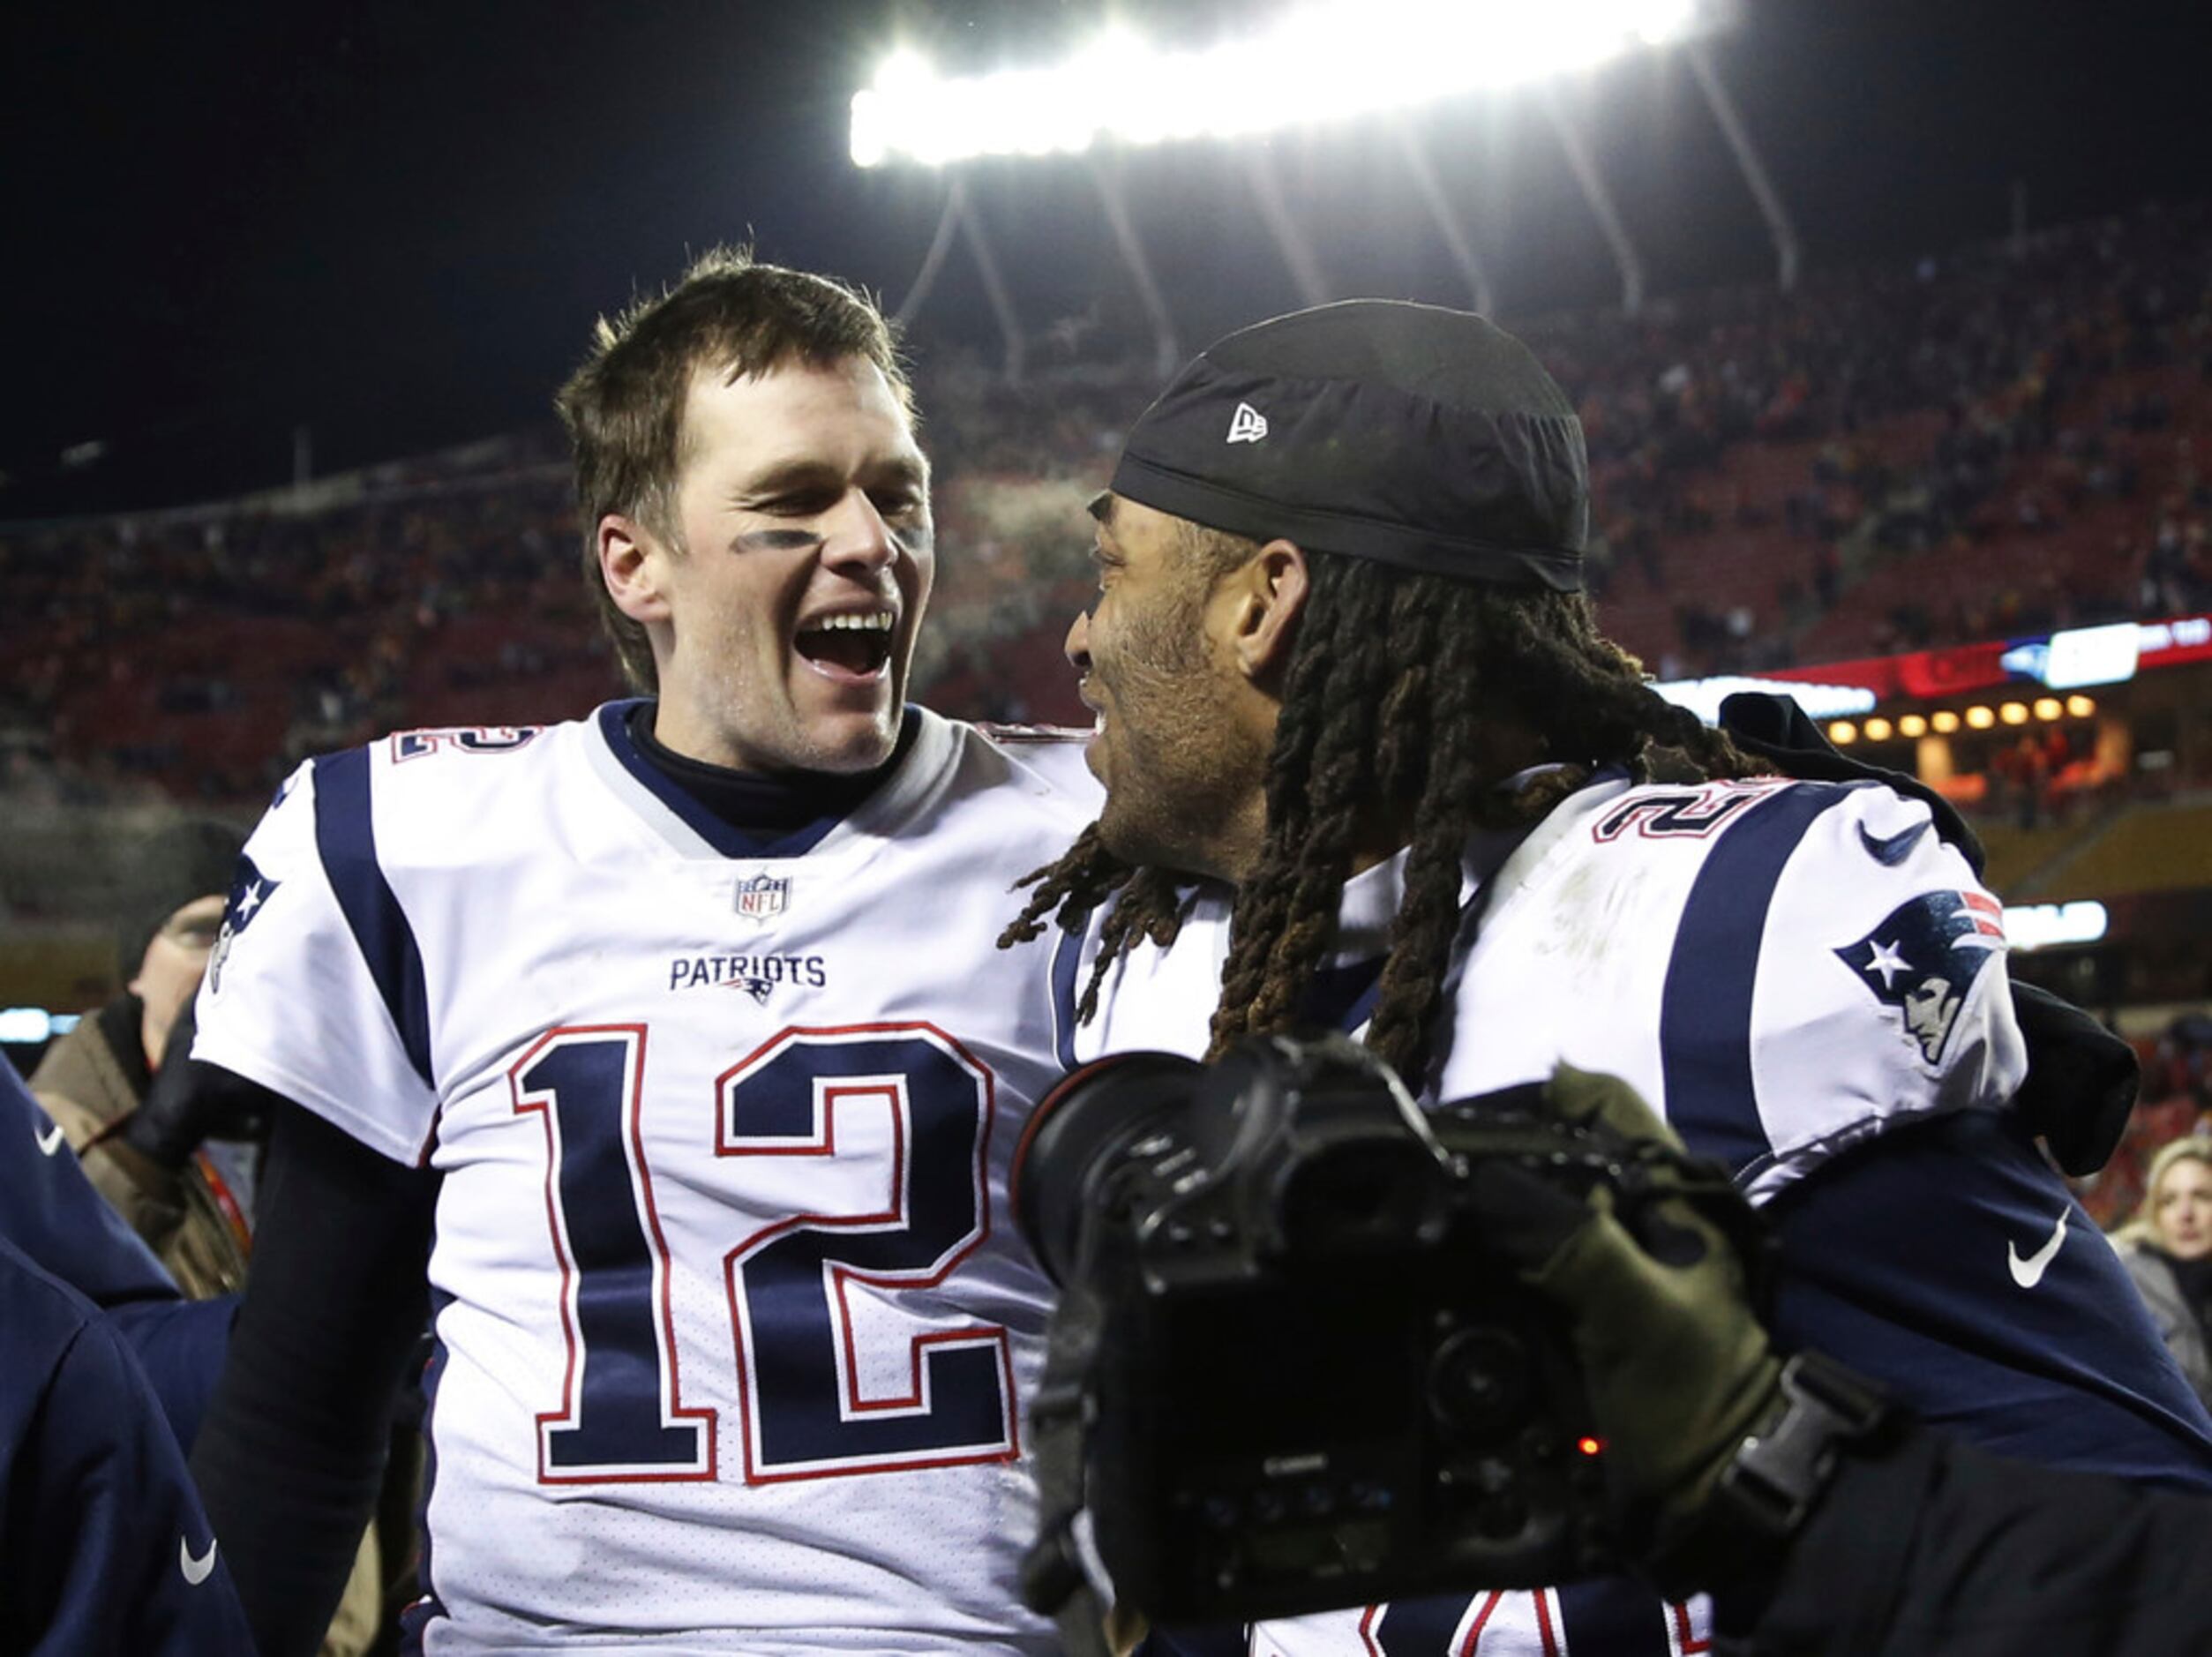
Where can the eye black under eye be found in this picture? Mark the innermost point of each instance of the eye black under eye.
(780, 540)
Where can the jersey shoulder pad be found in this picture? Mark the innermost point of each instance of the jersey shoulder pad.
(1048, 759)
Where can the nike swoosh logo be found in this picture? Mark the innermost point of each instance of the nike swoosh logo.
(1892, 850)
(196, 1571)
(2028, 1272)
(51, 1141)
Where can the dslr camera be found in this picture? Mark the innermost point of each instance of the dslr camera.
(1286, 1374)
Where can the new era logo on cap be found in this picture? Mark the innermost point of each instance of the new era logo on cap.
(1248, 424)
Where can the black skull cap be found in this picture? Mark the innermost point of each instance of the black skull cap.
(1412, 435)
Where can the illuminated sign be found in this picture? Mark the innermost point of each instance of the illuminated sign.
(2062, 661)
(2043, 926)
(2184, 639)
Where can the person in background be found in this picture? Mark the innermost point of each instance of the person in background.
(190, 1205)
(2167, 1250)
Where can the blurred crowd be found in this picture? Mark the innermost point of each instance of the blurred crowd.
(2001, 440)
(1963, 414)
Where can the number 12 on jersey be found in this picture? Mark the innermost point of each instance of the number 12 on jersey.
(811, 1295)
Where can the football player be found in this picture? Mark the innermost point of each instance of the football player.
(674, 1040)
(1370, 765)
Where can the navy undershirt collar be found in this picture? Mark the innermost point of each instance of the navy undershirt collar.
(743, 814)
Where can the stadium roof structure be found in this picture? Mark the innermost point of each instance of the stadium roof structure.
(1321, 64)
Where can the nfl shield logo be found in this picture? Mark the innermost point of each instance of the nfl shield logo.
(763, 896)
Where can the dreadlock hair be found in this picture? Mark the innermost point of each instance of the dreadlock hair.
(1421, 693)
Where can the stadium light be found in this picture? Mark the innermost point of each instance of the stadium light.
(1912, 725)
(1944, 721)
(1321, 62)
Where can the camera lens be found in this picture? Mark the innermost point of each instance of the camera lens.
(1093, 1115)
(1479, 1380)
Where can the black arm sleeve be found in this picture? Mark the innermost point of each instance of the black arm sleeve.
(1934, 1546)
(293, 1447)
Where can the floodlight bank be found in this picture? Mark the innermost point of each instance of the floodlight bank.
(1324, 63)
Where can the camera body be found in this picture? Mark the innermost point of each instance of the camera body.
(1308, 1383)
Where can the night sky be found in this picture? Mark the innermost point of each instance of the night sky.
(395, 223)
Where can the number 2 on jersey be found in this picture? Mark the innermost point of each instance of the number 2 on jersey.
(811, 1295)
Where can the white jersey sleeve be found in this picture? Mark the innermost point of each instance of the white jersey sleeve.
(1879, 995)
(314, 988)
(1782, 969)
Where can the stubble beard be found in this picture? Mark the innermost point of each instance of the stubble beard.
(760, 718)
(1179, 776)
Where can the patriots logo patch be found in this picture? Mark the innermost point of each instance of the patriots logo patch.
(250, 891)
(1923, 958)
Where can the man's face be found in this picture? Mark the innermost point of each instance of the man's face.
(1177, 765)
(806, 562)
(175, 961)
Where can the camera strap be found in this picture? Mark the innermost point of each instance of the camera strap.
(1057, 1572)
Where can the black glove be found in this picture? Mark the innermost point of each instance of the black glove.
(1678, 1369)
(190, 1103)
(2081, 1080)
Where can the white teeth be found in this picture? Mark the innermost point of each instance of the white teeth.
(878, 621)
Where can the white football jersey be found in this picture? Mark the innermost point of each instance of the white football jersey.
(734, 1331)
(1782, 969)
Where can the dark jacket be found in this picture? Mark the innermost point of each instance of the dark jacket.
(1928, 1546)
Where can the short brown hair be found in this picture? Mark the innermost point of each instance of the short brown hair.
(624, 407)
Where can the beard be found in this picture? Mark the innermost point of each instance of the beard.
(1179, 767)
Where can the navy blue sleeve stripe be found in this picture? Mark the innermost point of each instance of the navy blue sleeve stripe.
(1617, 1615)
(345, 837)
(1420, 1628)
(1704, 1014)
(1067, 959)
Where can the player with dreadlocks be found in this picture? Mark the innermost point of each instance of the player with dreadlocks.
(1407, 697)
(1371, 764)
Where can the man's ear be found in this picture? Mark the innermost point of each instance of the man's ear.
(1272, 591)
(630, 562)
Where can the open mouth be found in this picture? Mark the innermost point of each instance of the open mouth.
(850, 647)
